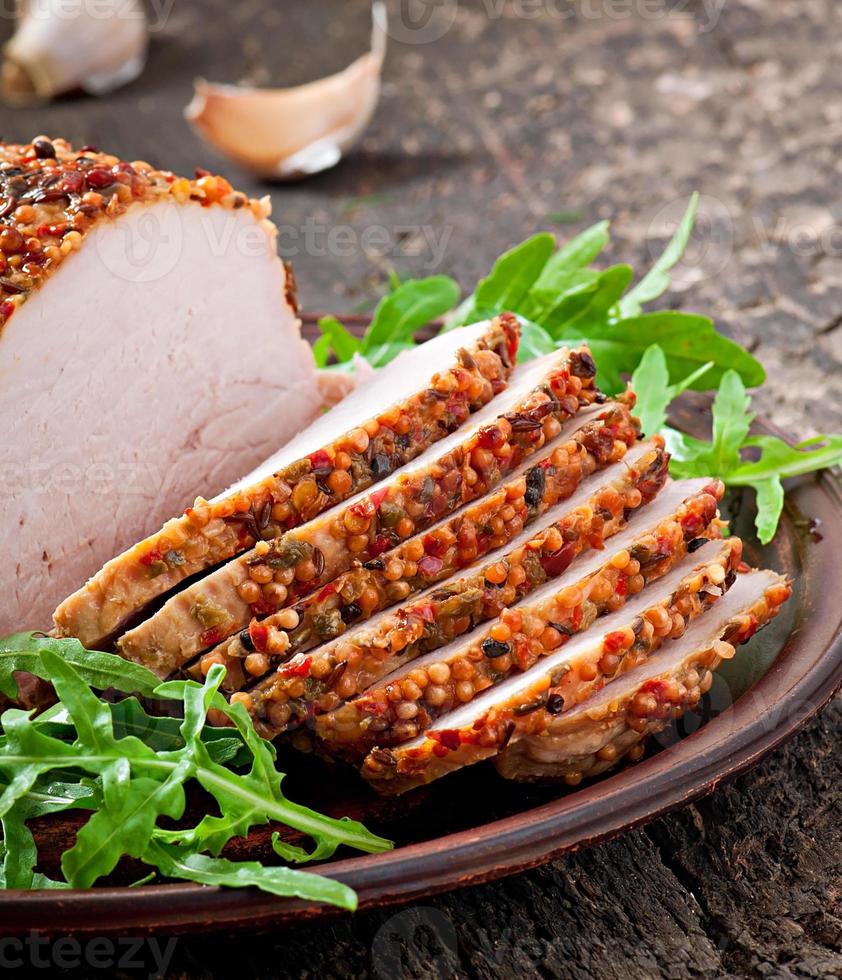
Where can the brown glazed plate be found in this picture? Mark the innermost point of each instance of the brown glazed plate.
(473, 826)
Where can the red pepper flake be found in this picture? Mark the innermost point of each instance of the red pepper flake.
(424, 612)
(522, 653)
(614, 641)
(434, 545)
(380, 544)
(301, 669)
(211, 637)
(490, 437)
(622, 586)
(429, 566)
(259, 636)
(691, 525)
(448, 737)
(557, 562)
(327, 591)
(576, 617)
(319, 460)
(150, 557)
(7, 309)
(378, 497)
(656, 687)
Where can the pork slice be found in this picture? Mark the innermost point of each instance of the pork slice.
(557, 607)
(491, 527)
(524, 703)
(375, 649)
(614, 723)
(411, 404)
(462, 467)
(149, 345)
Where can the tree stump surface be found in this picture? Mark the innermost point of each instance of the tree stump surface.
(526, 116)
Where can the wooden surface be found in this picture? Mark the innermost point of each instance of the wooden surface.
(525, 116)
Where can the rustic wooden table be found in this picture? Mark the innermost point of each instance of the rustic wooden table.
(500, 118)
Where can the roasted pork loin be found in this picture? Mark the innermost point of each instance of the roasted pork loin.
(314, 683)
(524, 703)
(523, 584)
(476, 530)
(115, 406)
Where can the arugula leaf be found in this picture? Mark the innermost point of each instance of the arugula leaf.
(770, 503)
(255, 797)
(409, 306)
(339, 338)
(723, 455)
(508, 283)
(24, 652)
(579, 251)
(173, 862)
(688, 341)
(130, 785)
(650, 382)
(731, 422)
(534, 341)
(777, 458)
(657, 280)
(404, 311)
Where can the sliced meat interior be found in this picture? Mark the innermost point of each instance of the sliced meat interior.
(316, 682)
(414, 402)
(149, 344)
(462, 467)
(523, 704)
(614, 723)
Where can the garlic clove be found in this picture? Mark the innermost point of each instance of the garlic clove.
(289, 133)
(61, 45)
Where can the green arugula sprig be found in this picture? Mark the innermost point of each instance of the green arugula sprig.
(561, 298)
(733, 455)
(410, 306)
(130, 770)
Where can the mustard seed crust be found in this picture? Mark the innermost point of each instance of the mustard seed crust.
(588, 745)
(342, 669)
(275, 573)
(450, 546)
(52, 195)
(526, 633)
(533, 707)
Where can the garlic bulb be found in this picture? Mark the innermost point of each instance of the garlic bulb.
(293, 132)
(61, 45)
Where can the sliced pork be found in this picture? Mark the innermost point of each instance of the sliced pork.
(614, 724)
(522, 704)
(595, 584)
(313, 683)
(149, 345)
(595, 438)
(417, 400)
(461, 468)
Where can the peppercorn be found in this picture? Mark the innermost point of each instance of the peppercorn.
(494, 648)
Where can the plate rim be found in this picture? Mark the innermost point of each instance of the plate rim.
(720, 750)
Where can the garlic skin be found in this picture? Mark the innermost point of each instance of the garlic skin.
(62, 45)
(289, 133)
